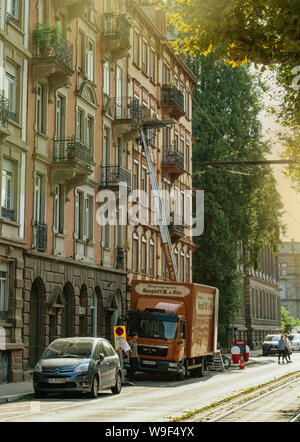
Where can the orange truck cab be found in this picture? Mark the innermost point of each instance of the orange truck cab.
(176, 325)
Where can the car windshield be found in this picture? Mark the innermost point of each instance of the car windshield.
(68, 349)
(272, 338)
(153, 325)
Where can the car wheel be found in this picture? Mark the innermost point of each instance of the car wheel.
(118, 387)
(95, 388)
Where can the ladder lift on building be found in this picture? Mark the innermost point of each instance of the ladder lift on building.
(146, 126)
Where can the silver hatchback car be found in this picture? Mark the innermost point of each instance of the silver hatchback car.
(78, 365)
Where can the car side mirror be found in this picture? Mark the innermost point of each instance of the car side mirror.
(101, 357)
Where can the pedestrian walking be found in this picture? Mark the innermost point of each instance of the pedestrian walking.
(133, 358)
(288, 349)
(281, 349)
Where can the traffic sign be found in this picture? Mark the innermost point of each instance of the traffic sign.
(120, 337)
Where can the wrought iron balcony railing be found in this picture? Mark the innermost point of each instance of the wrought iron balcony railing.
(128, 108)
(173, 157)
(72, 150)
(51, 44)
(40, 235)
(7, 213)
(4, 111)
(13, 19)
(112, 176)
(116, 26)
(171, 96)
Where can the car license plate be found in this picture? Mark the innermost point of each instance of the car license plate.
(56, 381)
(149, 363)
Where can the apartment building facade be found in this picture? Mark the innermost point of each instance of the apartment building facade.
(75, 77)
(289, 264)
(260, 312)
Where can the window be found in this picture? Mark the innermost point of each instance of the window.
(283, 269)
(144, 185)
(176, 142)
(136, 44)
(135, 251)
(151, 257)
(144, 56)
(152, 64)
(41, 107)
(90, 132)
(106, 78)
(38, 198)
(90, 60)
(182, 146)
(3, 292)
(59, 209)
(7, 199)
(11, 90)
(81, 38)
(89, 218)
(79, 215)
(187, 102)
(166, 73)
(13, 11)
(144, 254)
(135, 176)
(187, 157)
(79, 125)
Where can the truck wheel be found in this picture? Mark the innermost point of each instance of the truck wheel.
(183, 374)
(199, 372)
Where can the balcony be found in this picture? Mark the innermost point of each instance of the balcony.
(112, 176)
(40, 232)
(52, 58)
(176, 230)
(13, 19)
(5, 115)
(172, 102)
(115, 36)
(173, 162)
(73, 8)
(127, 118)
(72, 163)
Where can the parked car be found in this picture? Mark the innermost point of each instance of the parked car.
(294, 338)
(79, 365)
(270, 345)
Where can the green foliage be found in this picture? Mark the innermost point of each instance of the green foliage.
(241, 211)
(287, 321)
(264, 32)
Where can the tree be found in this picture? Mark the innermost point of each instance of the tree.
(263, 32)
(287, 321)
(242, 211)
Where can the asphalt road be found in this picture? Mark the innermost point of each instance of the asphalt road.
(156, 399)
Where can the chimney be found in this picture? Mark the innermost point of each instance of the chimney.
(293, 246)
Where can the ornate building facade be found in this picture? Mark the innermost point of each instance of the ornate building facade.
(289, 264)
(74, 77)
(260, 313)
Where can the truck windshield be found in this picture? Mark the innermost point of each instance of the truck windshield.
(153, 325)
